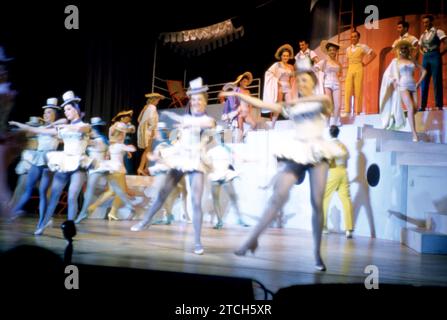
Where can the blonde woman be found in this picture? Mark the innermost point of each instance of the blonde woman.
(187, 157)
(398, 86)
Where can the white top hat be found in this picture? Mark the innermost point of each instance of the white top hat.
(35, 121)
(51, 103)
(196, 86)
(97, 121)
(69, 97)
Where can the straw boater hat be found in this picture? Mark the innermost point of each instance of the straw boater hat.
(35, 121)
(154, 95)
(287, 47)
(52, 104)
(69, 97)
(122, 114)
(196, 86)
(97, 121)
(324, 45)
(247, 75)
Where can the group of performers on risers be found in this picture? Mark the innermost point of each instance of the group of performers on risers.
(197, 150)
(398, 87)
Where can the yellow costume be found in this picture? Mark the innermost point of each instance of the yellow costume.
(354, 76)
(338, 181)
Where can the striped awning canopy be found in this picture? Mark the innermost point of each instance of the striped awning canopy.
(198, 41)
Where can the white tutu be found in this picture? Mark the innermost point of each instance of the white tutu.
(310, 151)
(61, 162)
(221, 159)
(188, 154)
(26, 160)
(223, 175)
(185, 158)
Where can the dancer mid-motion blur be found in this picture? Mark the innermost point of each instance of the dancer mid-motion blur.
(307, 150)
(222, 176)
(187, 156)
(39, 170)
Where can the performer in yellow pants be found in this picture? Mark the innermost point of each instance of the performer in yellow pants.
(338, 181)
(354, 77)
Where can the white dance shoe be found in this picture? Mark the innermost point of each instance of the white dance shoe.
(198, 249)
(140, 226)
(39, 231)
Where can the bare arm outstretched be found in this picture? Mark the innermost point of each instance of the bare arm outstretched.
(277, 107)
(255, 102)
(36, 130)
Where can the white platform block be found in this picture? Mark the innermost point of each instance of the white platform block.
(424, 241)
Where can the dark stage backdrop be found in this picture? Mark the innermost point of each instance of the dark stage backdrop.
(108, 62)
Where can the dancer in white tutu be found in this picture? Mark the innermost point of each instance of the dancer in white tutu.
(70, 164)
(306, 150)
(222, 175)
(39, 169)
(97, 151)
(187, 157)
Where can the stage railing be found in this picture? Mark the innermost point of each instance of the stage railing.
(159, 86)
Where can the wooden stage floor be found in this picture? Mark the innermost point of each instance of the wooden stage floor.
(284, 257)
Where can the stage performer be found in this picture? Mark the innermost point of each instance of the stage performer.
(356, 53)
(402, 29)
(222, 175)
(11, 143)
(243, 110)
(279, 80)
(338, 180)
(307, 150)
(116, 174)
(430, 46)
(126, 118)
(70, 164)
(147, 128)
(332, 71)
(39, 169)
(398, 86)
(187, 157)
(97, 150)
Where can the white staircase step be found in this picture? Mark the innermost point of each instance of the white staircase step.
(424, 241)
(413, 147)
(369, 132)
(421, 159)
